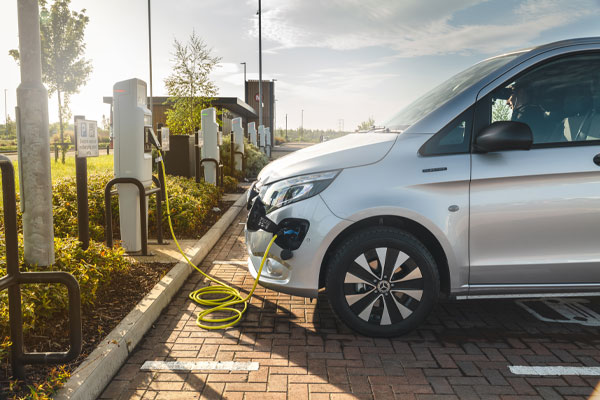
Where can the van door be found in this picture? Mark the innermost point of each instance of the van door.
(535, 215)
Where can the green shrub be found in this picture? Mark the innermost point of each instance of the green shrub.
(279, 140)
(191, 206)
(64, 204)
(230, 184)
(93, 268)
(255, 160)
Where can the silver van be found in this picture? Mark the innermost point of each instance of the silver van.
(487, 186)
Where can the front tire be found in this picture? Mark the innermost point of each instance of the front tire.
(382, 282)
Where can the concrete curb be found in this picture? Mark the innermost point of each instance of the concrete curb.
(95, 373)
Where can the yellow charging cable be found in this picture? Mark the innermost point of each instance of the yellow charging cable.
(229, 296)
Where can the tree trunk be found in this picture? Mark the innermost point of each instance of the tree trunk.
(192, 127)
(60, 123)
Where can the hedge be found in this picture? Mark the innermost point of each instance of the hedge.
(191, 205)
(255, 159)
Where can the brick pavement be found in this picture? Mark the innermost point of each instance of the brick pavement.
(462, 351)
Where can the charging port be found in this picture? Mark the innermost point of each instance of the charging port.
(294, 231)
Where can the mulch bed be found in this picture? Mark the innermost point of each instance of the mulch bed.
(114, 302)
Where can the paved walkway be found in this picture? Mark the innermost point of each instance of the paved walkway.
(463, 351)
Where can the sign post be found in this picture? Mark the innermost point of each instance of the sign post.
(86, 145)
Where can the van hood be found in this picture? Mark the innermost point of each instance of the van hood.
(352, 150)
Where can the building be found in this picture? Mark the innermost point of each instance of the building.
(268, 89)
(247, 110)
(235, 106)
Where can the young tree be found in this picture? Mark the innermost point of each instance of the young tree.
(10, 130)
(64, 68)
(366, 125)
(189, 86)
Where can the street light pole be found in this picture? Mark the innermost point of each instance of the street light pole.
(245, 88)
(260, 89)
(34, 142)
(150, 56)
(286, 137)
(274, 111)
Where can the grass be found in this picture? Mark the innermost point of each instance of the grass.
(60, 170)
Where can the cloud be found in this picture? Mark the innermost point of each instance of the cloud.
(413, 27)
(226, 68)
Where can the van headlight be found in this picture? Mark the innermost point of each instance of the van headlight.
(287, 191)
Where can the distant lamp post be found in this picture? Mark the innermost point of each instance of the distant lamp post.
(5, 115)
(302, 125)
(274, 110)
(245, 88)
(260, 90)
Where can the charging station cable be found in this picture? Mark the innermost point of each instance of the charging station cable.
(229, 296)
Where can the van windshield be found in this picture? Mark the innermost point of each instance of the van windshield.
(436, 97)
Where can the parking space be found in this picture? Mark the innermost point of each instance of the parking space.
(291, 347)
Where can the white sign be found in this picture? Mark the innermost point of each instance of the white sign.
(164, 132)
(87, 138)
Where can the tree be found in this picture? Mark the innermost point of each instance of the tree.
(10, 130)
(64, 68)
(189, 86)
(366, 125)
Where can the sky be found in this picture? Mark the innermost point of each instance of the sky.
(341, 61)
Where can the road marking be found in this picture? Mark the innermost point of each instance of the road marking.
(231, 262)
(199, 365)
(569, 311)
(556, 371)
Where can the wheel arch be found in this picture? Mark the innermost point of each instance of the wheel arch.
(423, 234)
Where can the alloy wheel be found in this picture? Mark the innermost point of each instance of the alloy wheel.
(383, 286)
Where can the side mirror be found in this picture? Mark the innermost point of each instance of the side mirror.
(504, 135)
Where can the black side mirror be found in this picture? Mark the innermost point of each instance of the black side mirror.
(504, 135)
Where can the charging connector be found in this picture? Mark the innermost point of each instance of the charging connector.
(227, 297)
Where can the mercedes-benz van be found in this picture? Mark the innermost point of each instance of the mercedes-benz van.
(487, 186)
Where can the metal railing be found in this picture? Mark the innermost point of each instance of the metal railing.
(15, 278)
(143, 193)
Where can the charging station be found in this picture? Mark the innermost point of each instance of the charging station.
(133, 140)
(211, 138)
(252, 132)
(261, 138)
(238, 143)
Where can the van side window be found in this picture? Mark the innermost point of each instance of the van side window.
(454, 138)
(559, 100)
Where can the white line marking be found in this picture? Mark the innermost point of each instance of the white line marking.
(199, 365)
(556, 371)
(572, 310)
(231, 262)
